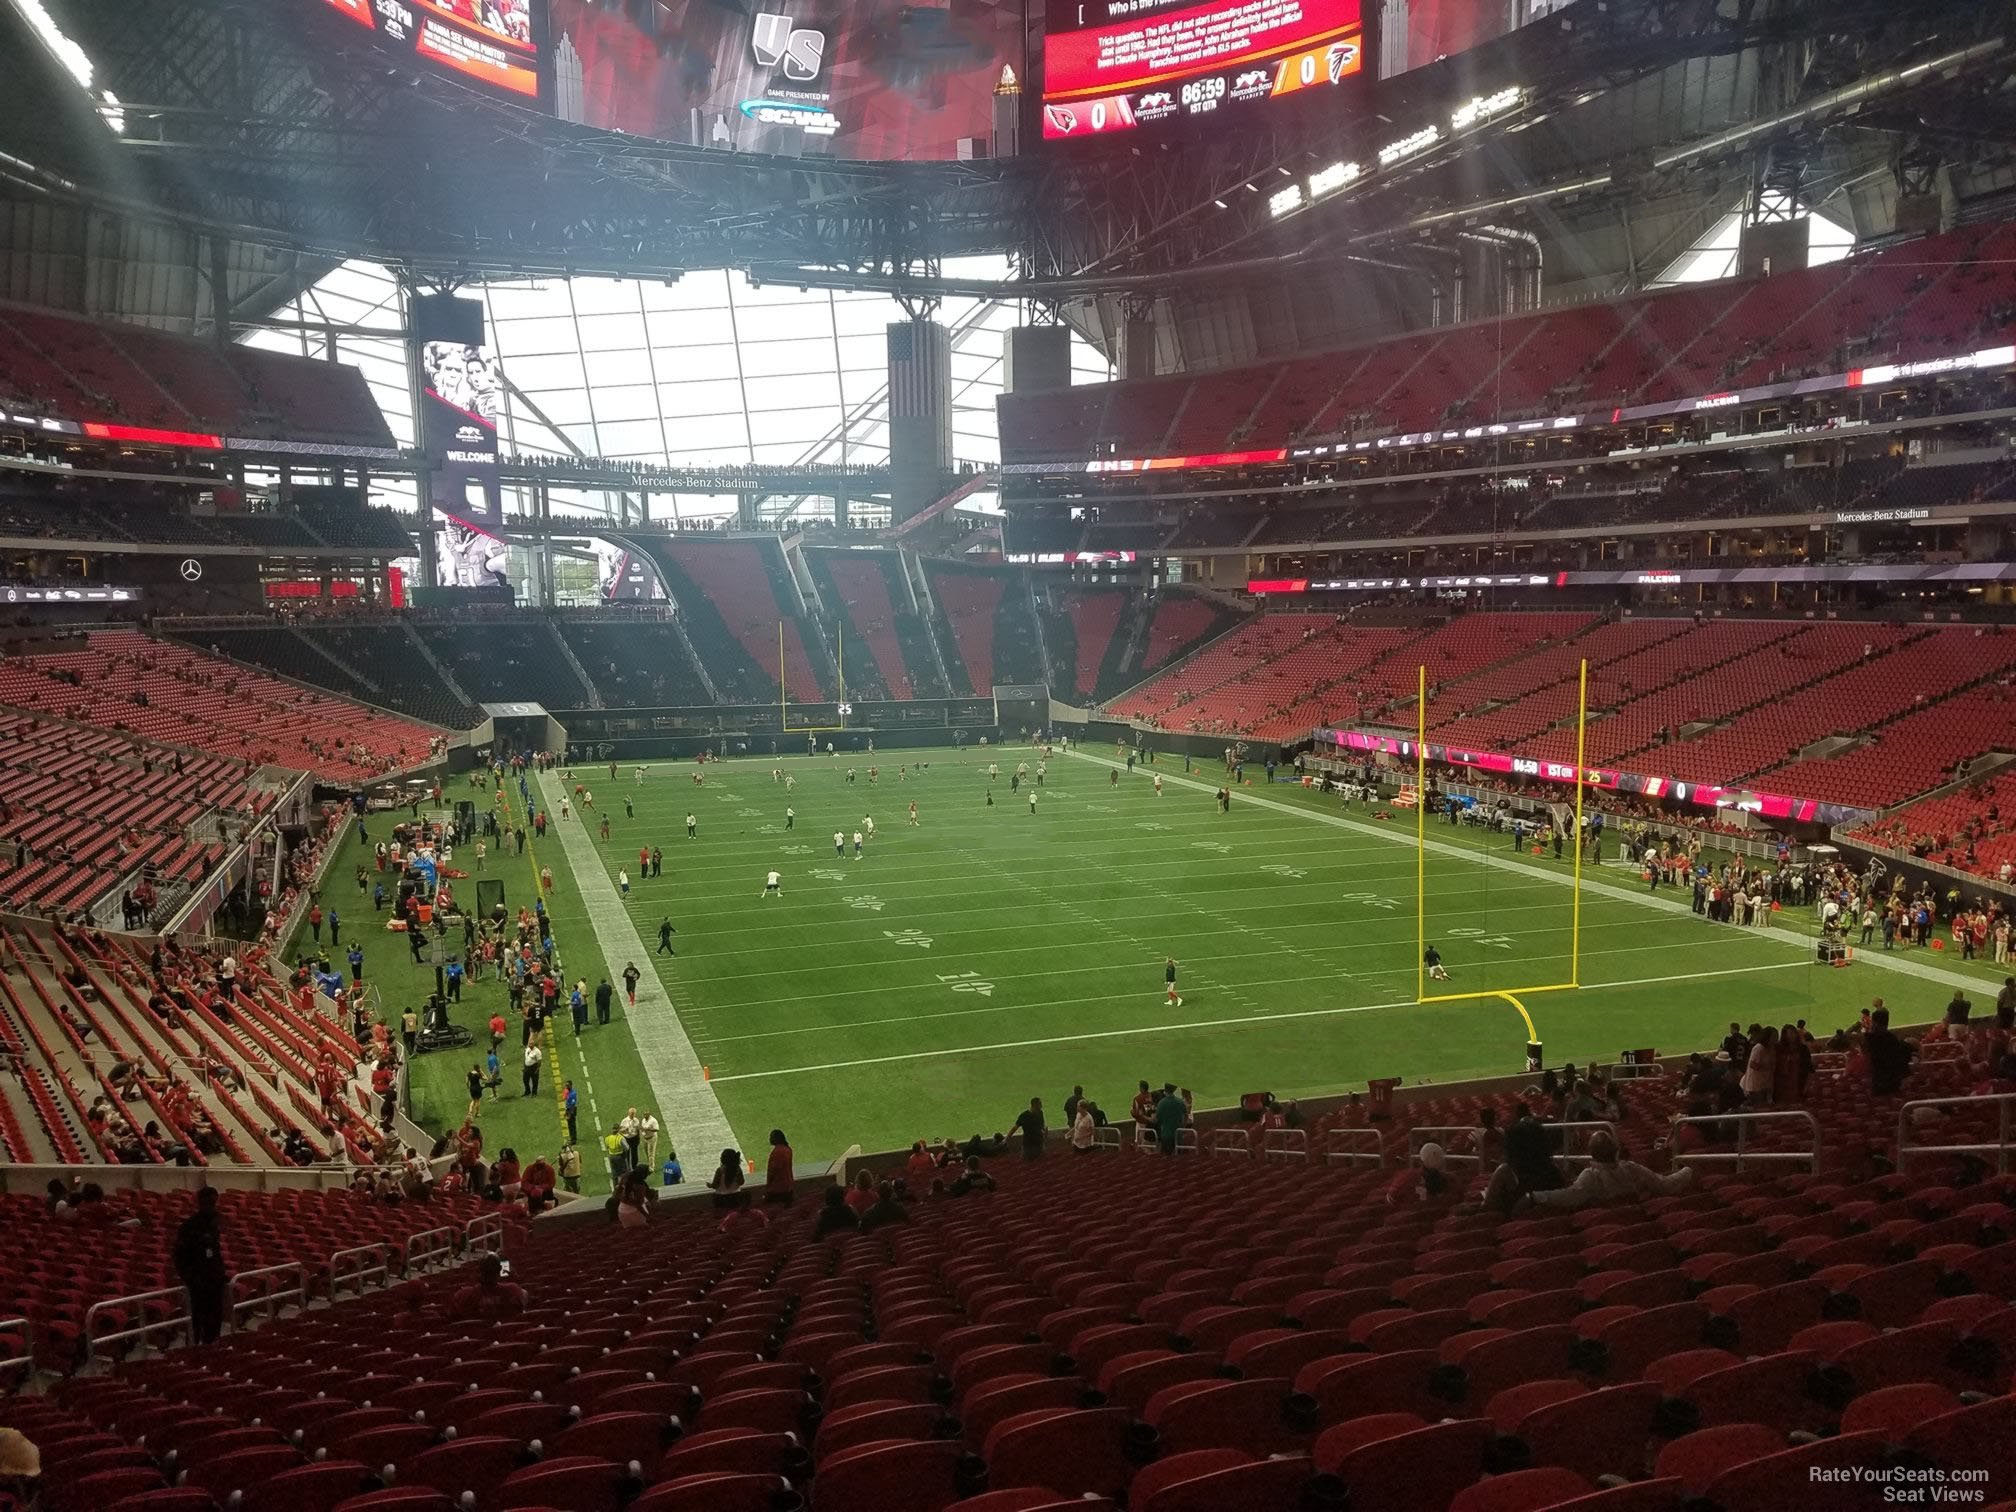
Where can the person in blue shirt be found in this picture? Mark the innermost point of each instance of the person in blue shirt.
(578, 1001)
(378, 898)
(356, 963)
(572, 1105)
(453, 973)
(335, 928)
(493, 1071)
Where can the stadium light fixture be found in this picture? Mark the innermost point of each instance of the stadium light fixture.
(1486, 108)
(1336, 176)
(1414, 142)
(73, 60)
(1285, 201)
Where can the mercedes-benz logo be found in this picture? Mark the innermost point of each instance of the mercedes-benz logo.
(192, 570)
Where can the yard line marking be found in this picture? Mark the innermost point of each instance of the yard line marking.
(1246, 1019)
(690, 1111)
(1802, 942)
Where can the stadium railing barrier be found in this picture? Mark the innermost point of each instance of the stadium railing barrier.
(269, 1299)
(1446, 1135)
(1742, 1154)
(2005, 1105)
(23, 1362)
(348, 1266)
(1285, 1146)
(175, 1323)
(483, 1235)
(1225, 1142)
(430, 1249)
(1107, 1137)
(1350, 1146)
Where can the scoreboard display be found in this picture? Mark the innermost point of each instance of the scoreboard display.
(1122, 65)
(493, 43)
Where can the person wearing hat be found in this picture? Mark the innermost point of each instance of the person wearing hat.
(1427, 1180)
(20, 1466)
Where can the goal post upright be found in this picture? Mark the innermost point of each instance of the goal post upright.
(1421, 834)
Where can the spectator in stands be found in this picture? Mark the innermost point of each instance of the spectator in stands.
(536, 1185)
(779, 1177)
(835, 1216)
(726, 1182)
(1030, 1123)
(491, 1299)
(1794, 1064)
(297, 1149)
(1761, 1068)
(861, 1193)
(1171, 1113)
(971, 1179)
(570, 1165)
(1609, 1179)
(199, 1266)
(1426, 1180)
(1529, 1162)
(1083, 1129)
(885, 1209)
(1889, 1057)
(20, 1467)
(635, 1201)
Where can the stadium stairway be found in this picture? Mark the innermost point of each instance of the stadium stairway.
(509, 658)
(728, 602)
(1217, 1333)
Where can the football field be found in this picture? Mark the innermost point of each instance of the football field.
(933, 984)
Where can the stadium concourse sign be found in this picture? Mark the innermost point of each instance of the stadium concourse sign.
(1611, 779)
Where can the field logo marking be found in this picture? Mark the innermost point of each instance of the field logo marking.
(912, 937)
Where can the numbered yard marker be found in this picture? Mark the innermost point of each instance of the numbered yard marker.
(968, 981)
(863, 900)
(916, 938)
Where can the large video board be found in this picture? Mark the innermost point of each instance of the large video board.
(494, 43)
(844, 78)
(1120, 65)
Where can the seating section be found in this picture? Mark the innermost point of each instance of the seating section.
(83, 370)
(732, 596)
(636, 663)
(85, 809)
(508, 658)
(887, 645)
(1415, 1355)
(1971, 829)
(1938, 296)
(988, 621)
(157, 690)
(52, 1271)
(389, 666)
(1086, 621)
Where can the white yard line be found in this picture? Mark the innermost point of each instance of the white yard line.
(687, 1107)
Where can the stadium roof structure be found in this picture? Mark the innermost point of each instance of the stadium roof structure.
(260, 150)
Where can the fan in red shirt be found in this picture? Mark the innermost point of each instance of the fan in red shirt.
(492, 1297)
(779, 1179)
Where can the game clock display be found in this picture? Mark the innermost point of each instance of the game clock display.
(1116, 65)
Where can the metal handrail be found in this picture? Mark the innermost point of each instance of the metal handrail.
(362, 1273)
(25, 1361)
(1107, 1137)
(430, 1248)
(1281, 1146)
(180, 1321)
(1434, 1134)
(1741, 1153)
(1354, 1145)
(2005, 1103)
(1830, 1062)
(483, 1235)
(1186, 1141)
(270, 1300)
(1144, 1137)
(1940, 1051)
(1227, 1142)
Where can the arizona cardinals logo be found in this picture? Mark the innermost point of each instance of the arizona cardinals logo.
(1063, 119)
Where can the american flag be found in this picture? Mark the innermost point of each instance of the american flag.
(920, 369)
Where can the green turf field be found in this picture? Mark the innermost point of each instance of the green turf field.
(933, 985)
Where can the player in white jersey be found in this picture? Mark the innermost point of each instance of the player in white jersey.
(857, 843)
(773, 886)
(1158, 784)
(868, 824)
(839, 843)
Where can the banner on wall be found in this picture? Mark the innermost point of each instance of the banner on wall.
(461, 396)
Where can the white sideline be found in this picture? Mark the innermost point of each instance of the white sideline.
(692, 1115)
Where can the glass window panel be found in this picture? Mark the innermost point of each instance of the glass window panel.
(775, 359)
(603, 296)
(694, 291)
(624, 402)
(865, 353)
(565, 407)
(697, 364)
(802, 318)
(535, 373)
(798, 392)
(613, 333)
(610, 369)
(719, 396)
(678, 329)
(551, 334)
(630, 438)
